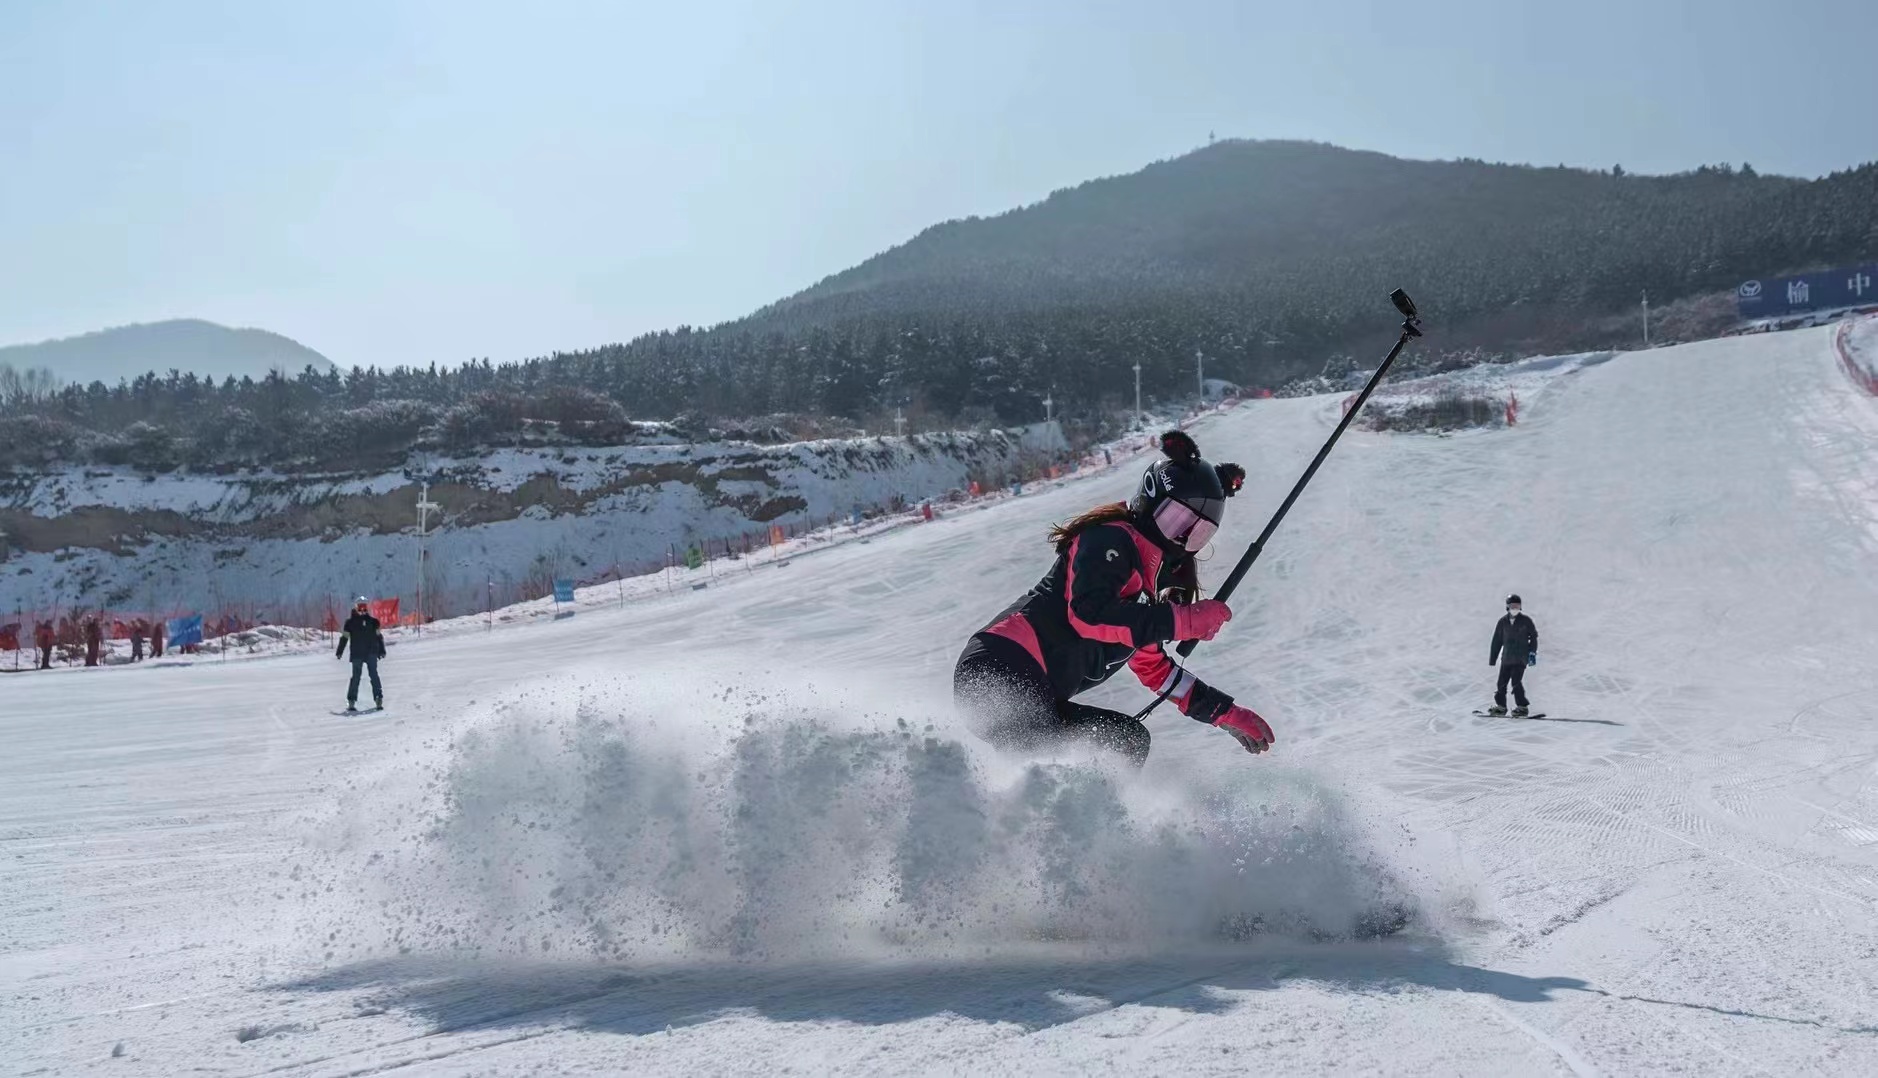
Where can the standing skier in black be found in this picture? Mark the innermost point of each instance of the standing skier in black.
(1515, 646)
(368, 646)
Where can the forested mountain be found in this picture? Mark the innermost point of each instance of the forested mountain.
(1296, 238)
(1271, 258)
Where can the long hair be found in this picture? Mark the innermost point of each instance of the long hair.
(1186, 573)
(1062, 535)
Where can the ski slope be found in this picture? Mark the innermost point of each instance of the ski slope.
(734, 830)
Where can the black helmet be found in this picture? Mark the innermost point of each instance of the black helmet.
(1182, 499)
(1513, 600)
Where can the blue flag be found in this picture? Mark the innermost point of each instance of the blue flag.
(185, 631)
(563, 591)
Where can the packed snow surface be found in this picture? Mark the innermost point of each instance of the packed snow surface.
(737, 829)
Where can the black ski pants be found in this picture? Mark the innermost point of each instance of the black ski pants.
(369, 663)
(1008, 701)
(1513, 674)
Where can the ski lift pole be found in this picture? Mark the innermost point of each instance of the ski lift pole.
(1411, 327)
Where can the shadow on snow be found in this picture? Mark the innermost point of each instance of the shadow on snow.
(1037, 993)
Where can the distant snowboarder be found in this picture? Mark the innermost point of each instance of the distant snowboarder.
(137, 629)
(1515, 647)
(1086, 618)
(43, 638)
(368, 646)
(94, 641)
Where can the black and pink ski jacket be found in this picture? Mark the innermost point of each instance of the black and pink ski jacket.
(1096, 611)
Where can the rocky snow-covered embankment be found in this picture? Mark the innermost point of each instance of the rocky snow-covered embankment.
(91, 537)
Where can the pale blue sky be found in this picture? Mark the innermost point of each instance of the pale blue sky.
(427, 180)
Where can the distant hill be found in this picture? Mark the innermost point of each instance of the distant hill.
(188, 345)
(1302, 238)
(1273, 259)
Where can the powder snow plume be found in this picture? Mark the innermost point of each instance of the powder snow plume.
(612, 819)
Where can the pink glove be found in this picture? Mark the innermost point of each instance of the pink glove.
(1245, 724)
(1201, 620)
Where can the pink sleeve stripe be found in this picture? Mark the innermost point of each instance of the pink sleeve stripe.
(1157, 672)
(1108, 634)
(1152, 666)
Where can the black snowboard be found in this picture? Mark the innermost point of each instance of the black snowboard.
(1534, 715)
(361, 711)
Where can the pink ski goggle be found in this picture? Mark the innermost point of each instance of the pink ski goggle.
(1180, 523)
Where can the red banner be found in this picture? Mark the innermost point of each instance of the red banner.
(385, 610)
(9, 638)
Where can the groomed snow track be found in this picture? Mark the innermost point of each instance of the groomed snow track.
(202, 870)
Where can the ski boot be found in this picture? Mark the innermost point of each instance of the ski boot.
(352, 707)
(1520, 712)
(1497, 710)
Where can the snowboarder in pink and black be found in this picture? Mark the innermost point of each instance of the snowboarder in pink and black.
(1087, 618)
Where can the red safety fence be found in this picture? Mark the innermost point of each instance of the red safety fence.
(74, 635)
(68, 630)
(1858, 368)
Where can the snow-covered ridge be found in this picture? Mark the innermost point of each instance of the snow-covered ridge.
(256, 493)
(91, 536)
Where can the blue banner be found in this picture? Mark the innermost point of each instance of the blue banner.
(1772, 297)
(185, 631)
(563, 591)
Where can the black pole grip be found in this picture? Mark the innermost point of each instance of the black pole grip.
(1411, 327)
(1258, 545)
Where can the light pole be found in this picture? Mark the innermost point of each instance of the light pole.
(1199, 371)
(1049, 414)
(1137, 391)
(424, 508)
(899, 422)
(1646, 319)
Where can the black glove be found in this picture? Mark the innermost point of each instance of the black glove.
(1206, 703)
